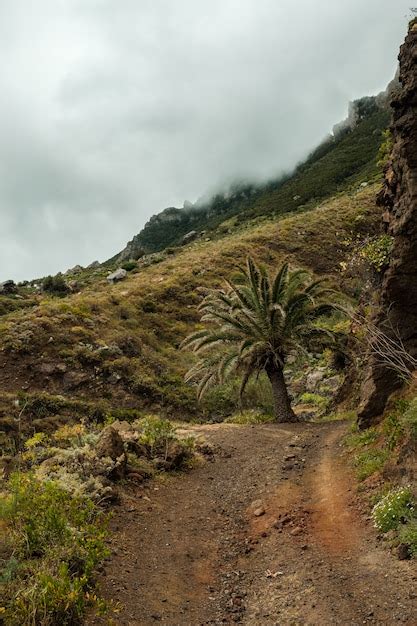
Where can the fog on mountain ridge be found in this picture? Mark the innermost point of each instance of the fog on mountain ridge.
(110, 117)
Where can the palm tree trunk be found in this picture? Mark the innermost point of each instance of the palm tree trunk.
(282, 404)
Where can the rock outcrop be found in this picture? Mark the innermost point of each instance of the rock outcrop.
(133, 251)
(398, 297)
(118, 275)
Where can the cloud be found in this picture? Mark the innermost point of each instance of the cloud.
(113, 111)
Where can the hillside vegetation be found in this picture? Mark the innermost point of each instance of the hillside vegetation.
(118, 345)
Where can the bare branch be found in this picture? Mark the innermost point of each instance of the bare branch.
(387, 346)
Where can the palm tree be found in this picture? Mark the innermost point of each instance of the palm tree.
(254, 324)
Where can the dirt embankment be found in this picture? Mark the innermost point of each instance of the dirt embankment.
(267, 533)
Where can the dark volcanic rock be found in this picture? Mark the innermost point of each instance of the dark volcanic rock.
(398, 298)
(110, 444)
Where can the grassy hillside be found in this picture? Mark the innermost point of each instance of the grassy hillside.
(115, 347)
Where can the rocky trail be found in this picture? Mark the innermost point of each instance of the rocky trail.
(267, 531)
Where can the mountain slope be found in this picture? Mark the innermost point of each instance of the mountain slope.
(118, 345)
(333, 166)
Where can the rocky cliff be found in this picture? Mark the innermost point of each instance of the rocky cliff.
(398, 198)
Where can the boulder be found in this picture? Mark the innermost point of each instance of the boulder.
(74, 379)
(94, 265)
(190, 237)
(119, 274)
(313, 379)
(73, 285)
(125, 430)
(110, 444)
(74, 270)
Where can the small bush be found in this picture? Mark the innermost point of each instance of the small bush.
(156, 433)
(385, 150)
(55, 285)
(396, 508)
(149, 306)
(36, 440)
(393, 430)
(69, 435)
(129, 265)
(315, 399)
(377, 252)
(159, 437)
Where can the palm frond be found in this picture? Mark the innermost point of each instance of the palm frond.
(280, 282)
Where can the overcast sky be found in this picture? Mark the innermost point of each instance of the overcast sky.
(112, 110)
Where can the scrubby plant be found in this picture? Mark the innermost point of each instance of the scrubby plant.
(315, 399)
(223, 400)
(385, 150)
(160, 438)
(155, 431)
(393, 430)
(56, 541)
(55, 285)
(409, 419)
(370, 461)
(37, 439)
(129, 265)
(385, 343)
(254, 324)
(397, 507)
(70, 434)
(377, 252)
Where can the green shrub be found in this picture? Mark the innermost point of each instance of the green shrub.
(393, 430)
(385, 150)
(396, 508)
(360, 439)
(408, 535)
(160, 438)
(315, 399)
(156, 432)
(410, 418)
(58, 541)
(129, 265)
(149, 306)
(369, 462)
(55, 285)
(377, 252)
(223, 401)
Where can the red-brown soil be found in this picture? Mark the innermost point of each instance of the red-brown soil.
(189, 550)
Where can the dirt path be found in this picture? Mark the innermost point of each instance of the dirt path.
(190, 550)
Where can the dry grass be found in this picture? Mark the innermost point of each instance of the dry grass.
(120, 343)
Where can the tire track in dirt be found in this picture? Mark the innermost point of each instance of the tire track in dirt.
(190, 551)
(335, 525)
